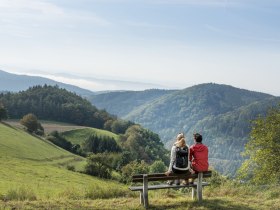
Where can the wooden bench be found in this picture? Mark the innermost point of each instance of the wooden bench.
(145, 178)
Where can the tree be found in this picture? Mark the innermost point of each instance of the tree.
(3, 113)
(133, 168)
(56, 138)
(96, 144)
(263, 150)
(158, 167)
(120, 126)
(125, 158)
(31, 123)
(99, 165)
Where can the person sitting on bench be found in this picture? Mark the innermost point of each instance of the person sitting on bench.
(179, 159)
(199, 154)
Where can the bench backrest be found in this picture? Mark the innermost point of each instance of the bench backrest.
(162, 176)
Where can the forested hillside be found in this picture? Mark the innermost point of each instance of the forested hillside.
(123, 102)
(53, 103)
(221, 113)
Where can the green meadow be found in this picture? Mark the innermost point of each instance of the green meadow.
(34, 169)
(78, 136)
(34, 175)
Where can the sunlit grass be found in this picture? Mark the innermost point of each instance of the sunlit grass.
(34, 176)
(35, 169)
(78, 136)
(161, 199)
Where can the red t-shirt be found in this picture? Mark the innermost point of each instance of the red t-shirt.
(199, 157)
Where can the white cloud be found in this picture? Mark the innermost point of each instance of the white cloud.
(24, 6)
(39, 10)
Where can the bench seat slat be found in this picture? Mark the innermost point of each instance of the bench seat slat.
(165, 186)
(163, 177)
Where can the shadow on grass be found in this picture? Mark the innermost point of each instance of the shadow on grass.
(215, 204)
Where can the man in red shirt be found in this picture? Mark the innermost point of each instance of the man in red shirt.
(199, 154)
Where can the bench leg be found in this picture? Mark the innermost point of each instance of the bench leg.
(145, 191)
(199, 187)
(193, 193)
(141, 198)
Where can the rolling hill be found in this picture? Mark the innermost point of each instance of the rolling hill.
(221, 113)
(78, 136)
(59, 105)
(36, 169)
(54, 104)
(122, 103)
(14, 83)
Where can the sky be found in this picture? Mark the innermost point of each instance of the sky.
(170, 43)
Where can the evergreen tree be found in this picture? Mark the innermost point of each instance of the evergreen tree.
(3, 113)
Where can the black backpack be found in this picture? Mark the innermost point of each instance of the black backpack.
(182, 157)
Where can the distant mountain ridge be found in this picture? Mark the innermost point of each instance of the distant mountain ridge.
(222, 113)
(14, 83)
(122, 103)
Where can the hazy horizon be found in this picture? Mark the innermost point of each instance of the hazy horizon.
(165, 43)
(114, 85)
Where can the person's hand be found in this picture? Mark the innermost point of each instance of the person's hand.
(167, 173)
(192, 171)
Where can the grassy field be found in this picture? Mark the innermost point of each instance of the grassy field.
(78, 136)
(34, 169)
(48, 126)
(34, 176)
(223, 198)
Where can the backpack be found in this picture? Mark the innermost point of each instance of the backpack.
(182, 157)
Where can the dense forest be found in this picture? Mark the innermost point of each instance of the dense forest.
(117, 100)
(221, 113)
(53, 103)
(135, 143)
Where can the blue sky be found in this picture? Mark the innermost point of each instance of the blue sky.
(173, 43)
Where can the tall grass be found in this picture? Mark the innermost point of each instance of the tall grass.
(20, 193)
(95, 192)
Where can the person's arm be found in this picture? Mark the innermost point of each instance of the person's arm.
(190, 158)
(191, 153)
(172, 158)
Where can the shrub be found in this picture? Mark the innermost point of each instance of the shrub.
(59, 140)
(31, 123)
(133, 168)
(157, 167)
(70, 167)
(217, 179)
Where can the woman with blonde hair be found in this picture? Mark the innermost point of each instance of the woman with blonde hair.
(179, 158)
